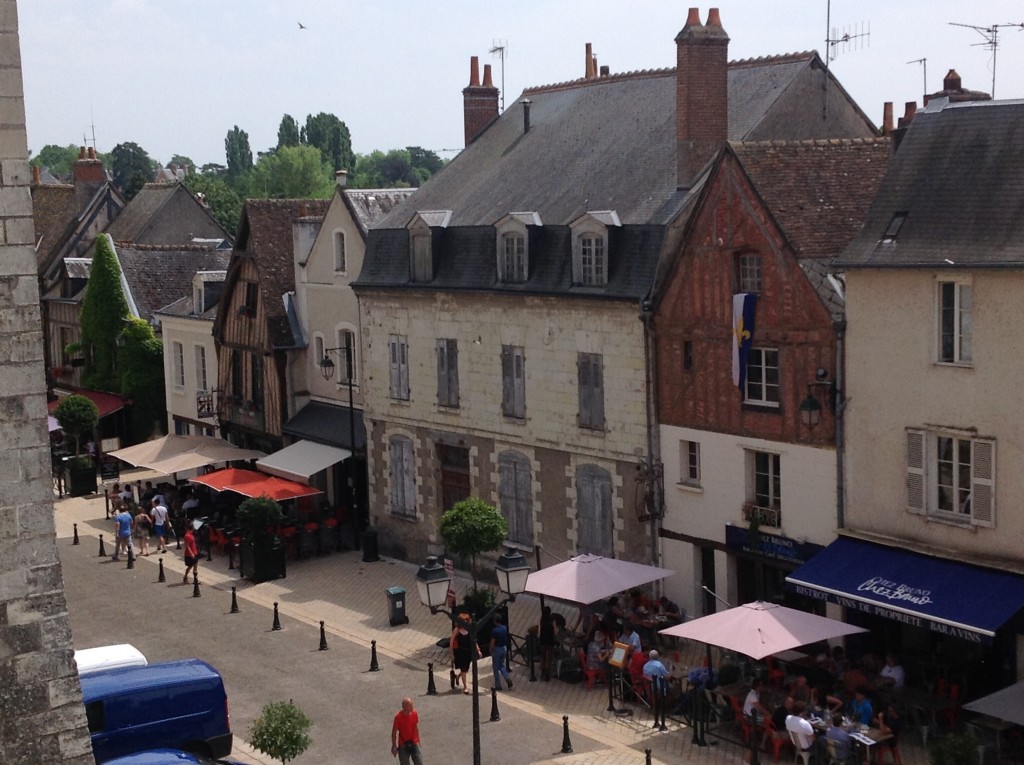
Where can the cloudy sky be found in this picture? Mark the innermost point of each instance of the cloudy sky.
(175, 75)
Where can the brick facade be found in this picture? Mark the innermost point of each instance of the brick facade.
(43, 719)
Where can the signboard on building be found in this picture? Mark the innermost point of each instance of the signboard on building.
(772, 546)
(204, 404)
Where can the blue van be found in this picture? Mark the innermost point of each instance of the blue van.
(179, 704)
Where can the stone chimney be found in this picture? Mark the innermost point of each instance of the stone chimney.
(37, 175)
(887, 118)
(588, 65)
(479, 102)
(909, 110)
(702, 93)
(88, 175)
(953, 89)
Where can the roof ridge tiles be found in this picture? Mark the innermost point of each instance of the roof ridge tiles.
(812, 142)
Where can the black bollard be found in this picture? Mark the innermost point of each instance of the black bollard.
(234, 601)
(495, 716)
(451, 678)
(323, 637)
(647, 757)
(661, 703)
(608, 680)
(195, 585)
(374, 666)
(131, 556)
(531, 654)
(431, 687)
(103, 550)
(277, 620)
(76, 540)
(566, 743)
(161, 577)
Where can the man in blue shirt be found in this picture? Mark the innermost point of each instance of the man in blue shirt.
(860, 708)
(123, 522)
(499, 650)
(657, 673)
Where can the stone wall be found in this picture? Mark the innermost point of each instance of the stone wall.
(41, 714)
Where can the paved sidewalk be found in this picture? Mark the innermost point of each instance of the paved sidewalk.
(348, 595)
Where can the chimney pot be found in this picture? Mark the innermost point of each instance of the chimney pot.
(341, 178)
(693, 17)
(487, 76)
(81, 152)
(37, 175)
(526, 114)
(887, 118)
(92, 152)
(605, 71)
(952, 81)
(714, 19)
(474, 72)
(588, 71)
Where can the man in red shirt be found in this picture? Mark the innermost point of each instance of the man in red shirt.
(405, 735)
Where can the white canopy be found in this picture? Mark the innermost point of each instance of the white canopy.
(1007, 704)
(174, 454)
(588, 578)
(302, 459)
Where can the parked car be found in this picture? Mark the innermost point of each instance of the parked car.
(168, 757)
(109, 657)
(180, 704)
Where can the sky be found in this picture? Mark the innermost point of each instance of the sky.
(175, 76)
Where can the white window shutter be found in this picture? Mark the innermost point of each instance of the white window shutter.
(983, 483)
(393, 368)
(916, 471)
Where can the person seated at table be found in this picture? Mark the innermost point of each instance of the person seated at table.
(597, 652)
(836, 732)
(667, 608)
(630, 637)
(889, 722)
(892, 673)
(782, 711)
(800, 727)
(753, 709)
(801, 691)
(824, 703)
(859, 709)
(637, 659)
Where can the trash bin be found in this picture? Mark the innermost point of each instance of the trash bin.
(396, 606)
(370, 553)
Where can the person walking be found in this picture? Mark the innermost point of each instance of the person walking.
(191, 552)
(142, 525)
(461, 648)
(405, 735)
(499, 650)
(123, 532)
(159, 515)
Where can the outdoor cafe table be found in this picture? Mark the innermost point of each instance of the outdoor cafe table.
(863, 738)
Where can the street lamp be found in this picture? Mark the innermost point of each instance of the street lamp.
(433, 582)
(327, 370)
(810, 407)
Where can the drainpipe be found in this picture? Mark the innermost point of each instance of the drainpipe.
(653, 442)
(840, 327)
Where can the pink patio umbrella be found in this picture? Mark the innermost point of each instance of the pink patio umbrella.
(761, 629)
(589, 578)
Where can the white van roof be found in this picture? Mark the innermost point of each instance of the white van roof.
(109, 657)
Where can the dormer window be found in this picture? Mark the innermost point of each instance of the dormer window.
(513, 246)
(590, 247)
(421, 242)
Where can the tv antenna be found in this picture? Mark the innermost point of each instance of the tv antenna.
(856, 38)
(499, 48)
(924, 66)
(991, 35)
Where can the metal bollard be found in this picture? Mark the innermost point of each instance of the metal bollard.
(431, 687)
(566, 743)
(647, 757)
(103, 550)
(323, 637)
(234, 601)
(374, 666)
(277, 619)
(195, 585)
(495, 716)
(161, 577)
(451, 678)
(76, 541)
(131, 557)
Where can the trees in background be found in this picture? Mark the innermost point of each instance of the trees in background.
(132, 168)
(224, 201)
(292, 172)
(238, 152)
(288, 132)
(59, 160)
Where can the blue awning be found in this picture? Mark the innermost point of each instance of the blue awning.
(942, 595)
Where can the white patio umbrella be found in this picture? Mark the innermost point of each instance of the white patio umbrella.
(761, 629)
(1007, 704)
(589, 578)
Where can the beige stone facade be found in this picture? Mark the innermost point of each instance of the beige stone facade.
(43, 719)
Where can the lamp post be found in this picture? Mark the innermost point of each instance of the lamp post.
(327, 370)
(433, 581)
(810, 407)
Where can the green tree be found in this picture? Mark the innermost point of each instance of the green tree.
(237, 151)
(471, 527)
(329, 134)
(424, 159)
(104, 310)
(225, 204)
(184, 162)
(281, 731)
(140, 363)
(59, 160)
(132, 168)
(77, 416)
(294, 172)
(288, 132)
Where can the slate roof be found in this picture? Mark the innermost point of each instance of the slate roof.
(958, 176)
(601, 144)
(265, 235)
(367, 206)
(54, 212)
(160, 275)
(818, 191)
(132, 223)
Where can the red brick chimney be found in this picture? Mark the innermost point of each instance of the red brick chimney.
(886, 117)
(479, 102)
(588, 66)
(702, 93)
(88, 175)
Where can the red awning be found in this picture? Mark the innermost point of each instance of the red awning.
(252, 483)
(107, 403)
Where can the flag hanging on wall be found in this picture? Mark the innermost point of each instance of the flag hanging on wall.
(743, 304)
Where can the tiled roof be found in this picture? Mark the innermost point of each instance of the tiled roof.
(368, 206)
(818, 191)
(128, 226)
(54, 211)
(159, 275)
(958, 177)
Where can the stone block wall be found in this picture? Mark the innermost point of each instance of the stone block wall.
(41, 714)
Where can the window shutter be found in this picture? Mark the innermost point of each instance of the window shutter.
(604, 534)
(524, 504)
(585, 513)
(403, 367)
(583, 389)
(395, 376)
(916, 471)
(396, 477)
(409, 480)
(597, 393)
(519, 372)
(507, 382)
(452, 356)
(443, 392)
(983, 483)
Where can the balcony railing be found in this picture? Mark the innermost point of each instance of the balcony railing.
(767, 517)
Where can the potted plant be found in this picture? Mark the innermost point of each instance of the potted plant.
(78, 416)
(261, 554)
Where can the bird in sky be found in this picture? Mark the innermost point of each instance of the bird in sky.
(301, 25)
